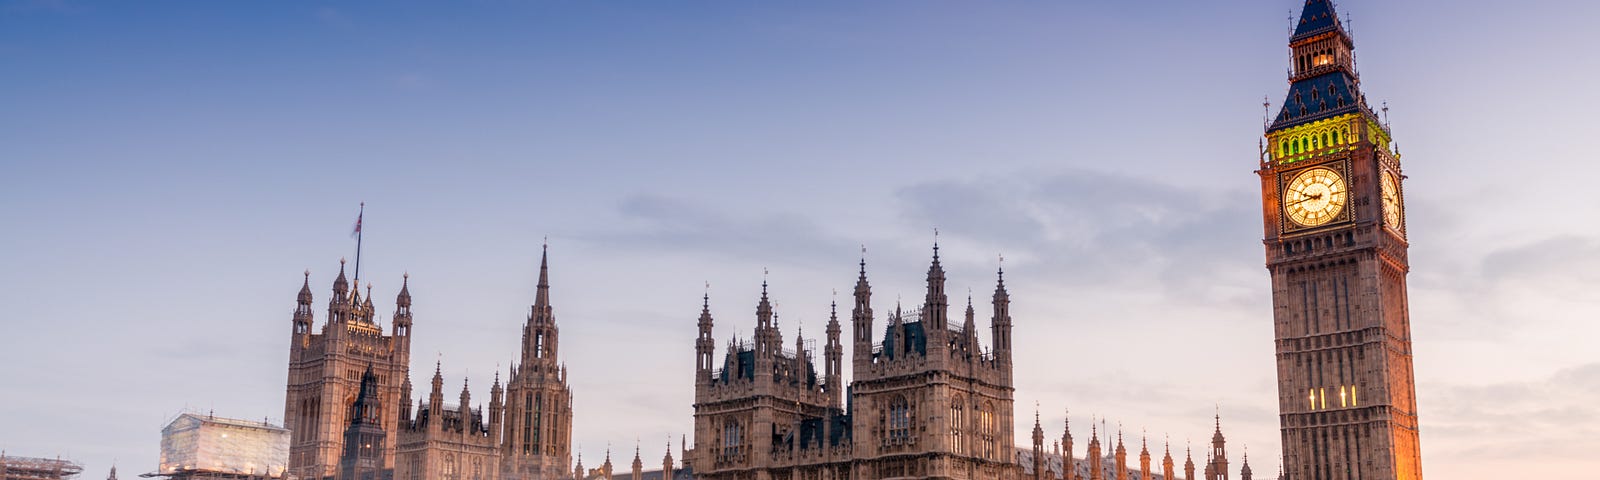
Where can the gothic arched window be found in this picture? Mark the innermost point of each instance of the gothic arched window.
(732, 437)
(899, 419)
(986, 429)
(958, 419)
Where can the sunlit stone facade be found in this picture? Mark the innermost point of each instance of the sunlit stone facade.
(1335, 238)
(927, 401)
(524, 432)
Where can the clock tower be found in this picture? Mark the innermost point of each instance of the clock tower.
(1335, 242)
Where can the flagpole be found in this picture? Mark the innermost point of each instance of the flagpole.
(360, 214)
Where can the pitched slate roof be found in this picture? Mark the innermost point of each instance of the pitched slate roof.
(1317, 18)
(1327, 95)
(916, 339)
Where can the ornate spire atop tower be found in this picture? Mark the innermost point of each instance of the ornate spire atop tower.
(764, 309)
(1038, 446)
(638, 465)
(304, 297)
(1167, 472)
(1067, 462)
(542, 296)
(1000, 323)
(341, 287)
(1244, 472)
(1188, 462)
(861, 318)
(404, 298)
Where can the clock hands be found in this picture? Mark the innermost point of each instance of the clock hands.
(1307, 199)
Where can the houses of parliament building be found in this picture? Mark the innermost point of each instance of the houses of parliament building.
(927, 398)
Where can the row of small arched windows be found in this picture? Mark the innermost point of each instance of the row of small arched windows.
(1312, 142)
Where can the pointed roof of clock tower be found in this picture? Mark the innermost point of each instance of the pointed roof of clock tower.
(1318, 17)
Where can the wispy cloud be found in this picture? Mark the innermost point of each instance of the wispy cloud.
(1096, 228)
(1553, 418)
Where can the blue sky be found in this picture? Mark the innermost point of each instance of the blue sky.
(168, 169)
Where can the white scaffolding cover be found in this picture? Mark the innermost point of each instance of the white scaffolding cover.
(223, 445)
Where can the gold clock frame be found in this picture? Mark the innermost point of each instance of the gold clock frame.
(1339, 166)
(1399, 223)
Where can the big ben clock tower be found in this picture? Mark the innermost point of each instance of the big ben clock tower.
(1335, 238)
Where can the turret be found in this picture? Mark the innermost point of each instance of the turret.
(497, 408)
(861, 321)
(366, 306)
(1166, 464)
(969, 331)
(1001, 321)
(405, 400)
(766, 333)
(638, 466)
(341, 287)
(704, 345)
(466, 408)
(1244, 472)
(1144, 459)
(1122, 458)
(666, 463)
(401, 324)
(897, 334)
(1219, 451)
(1188, 464)
(540, 336)
(683, 448)
(834, 353)
(302, 315)
(577, 469)
(1096, 465)
(436, 397)
(1067, 462)
(936, 308)
(1038, 448)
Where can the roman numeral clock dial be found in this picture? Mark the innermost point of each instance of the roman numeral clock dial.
(1314, 197)
(1391, 201)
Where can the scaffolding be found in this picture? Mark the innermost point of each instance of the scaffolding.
(30, 468)
(196, 447)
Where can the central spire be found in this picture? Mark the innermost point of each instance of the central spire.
(542, 297)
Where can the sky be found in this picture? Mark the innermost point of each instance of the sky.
(169, 169)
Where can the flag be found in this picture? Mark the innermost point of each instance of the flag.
(357, 231)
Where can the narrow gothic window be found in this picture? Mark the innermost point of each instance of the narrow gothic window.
(957, 424)
(527, 424)
(731, 438)
(899, 419)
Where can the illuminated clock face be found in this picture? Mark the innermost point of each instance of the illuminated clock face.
(1315, 197)
(1391, 200)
